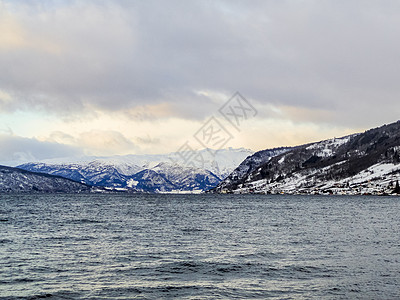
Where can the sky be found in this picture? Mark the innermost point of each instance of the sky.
(143, 77)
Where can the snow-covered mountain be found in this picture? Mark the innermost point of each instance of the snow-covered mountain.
(13, 180)
(150, 181)
(148, 173)
(365, 163)
(220, 162)
(251, 163)
(187, 179)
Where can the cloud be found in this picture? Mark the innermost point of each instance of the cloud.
(96, 142)
(99, 142)
(148, 140)
(325, 62)
(16, 150)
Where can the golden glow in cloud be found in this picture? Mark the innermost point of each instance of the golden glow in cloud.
(119, 133)
(14, 36)
(155, 129)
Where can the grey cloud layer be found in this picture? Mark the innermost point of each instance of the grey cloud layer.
(340, 56)
(15, 150)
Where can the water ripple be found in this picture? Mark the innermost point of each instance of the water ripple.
(199, 247)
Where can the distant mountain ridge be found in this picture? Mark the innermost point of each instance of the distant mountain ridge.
(147, 173)
(13, 180)
(363, 163)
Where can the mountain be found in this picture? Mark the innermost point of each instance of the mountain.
(94, 173)
(150, 181)
(364, 163)
(147, 173)
(164, 177)
(13, 180)
(250, 164)
(220, 162)
(188, 179)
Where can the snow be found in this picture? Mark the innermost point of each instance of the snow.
(132, 183)
(326, 148)
(331, 143)
(376, 179)
(374, 172)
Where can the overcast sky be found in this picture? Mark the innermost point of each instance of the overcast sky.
(121, 77)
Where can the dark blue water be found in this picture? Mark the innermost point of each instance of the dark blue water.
(199, 247)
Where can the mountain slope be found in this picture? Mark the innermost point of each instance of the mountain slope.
(13, 180)
(189, 178)
(150, 181)
(361, 163)
(250, 164)
(148, 173)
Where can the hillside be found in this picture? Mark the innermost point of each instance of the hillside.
(13, 180)
(364, 163)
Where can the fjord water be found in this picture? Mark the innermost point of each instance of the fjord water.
(199, 247)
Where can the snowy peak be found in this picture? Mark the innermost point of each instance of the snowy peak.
(147, 173)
